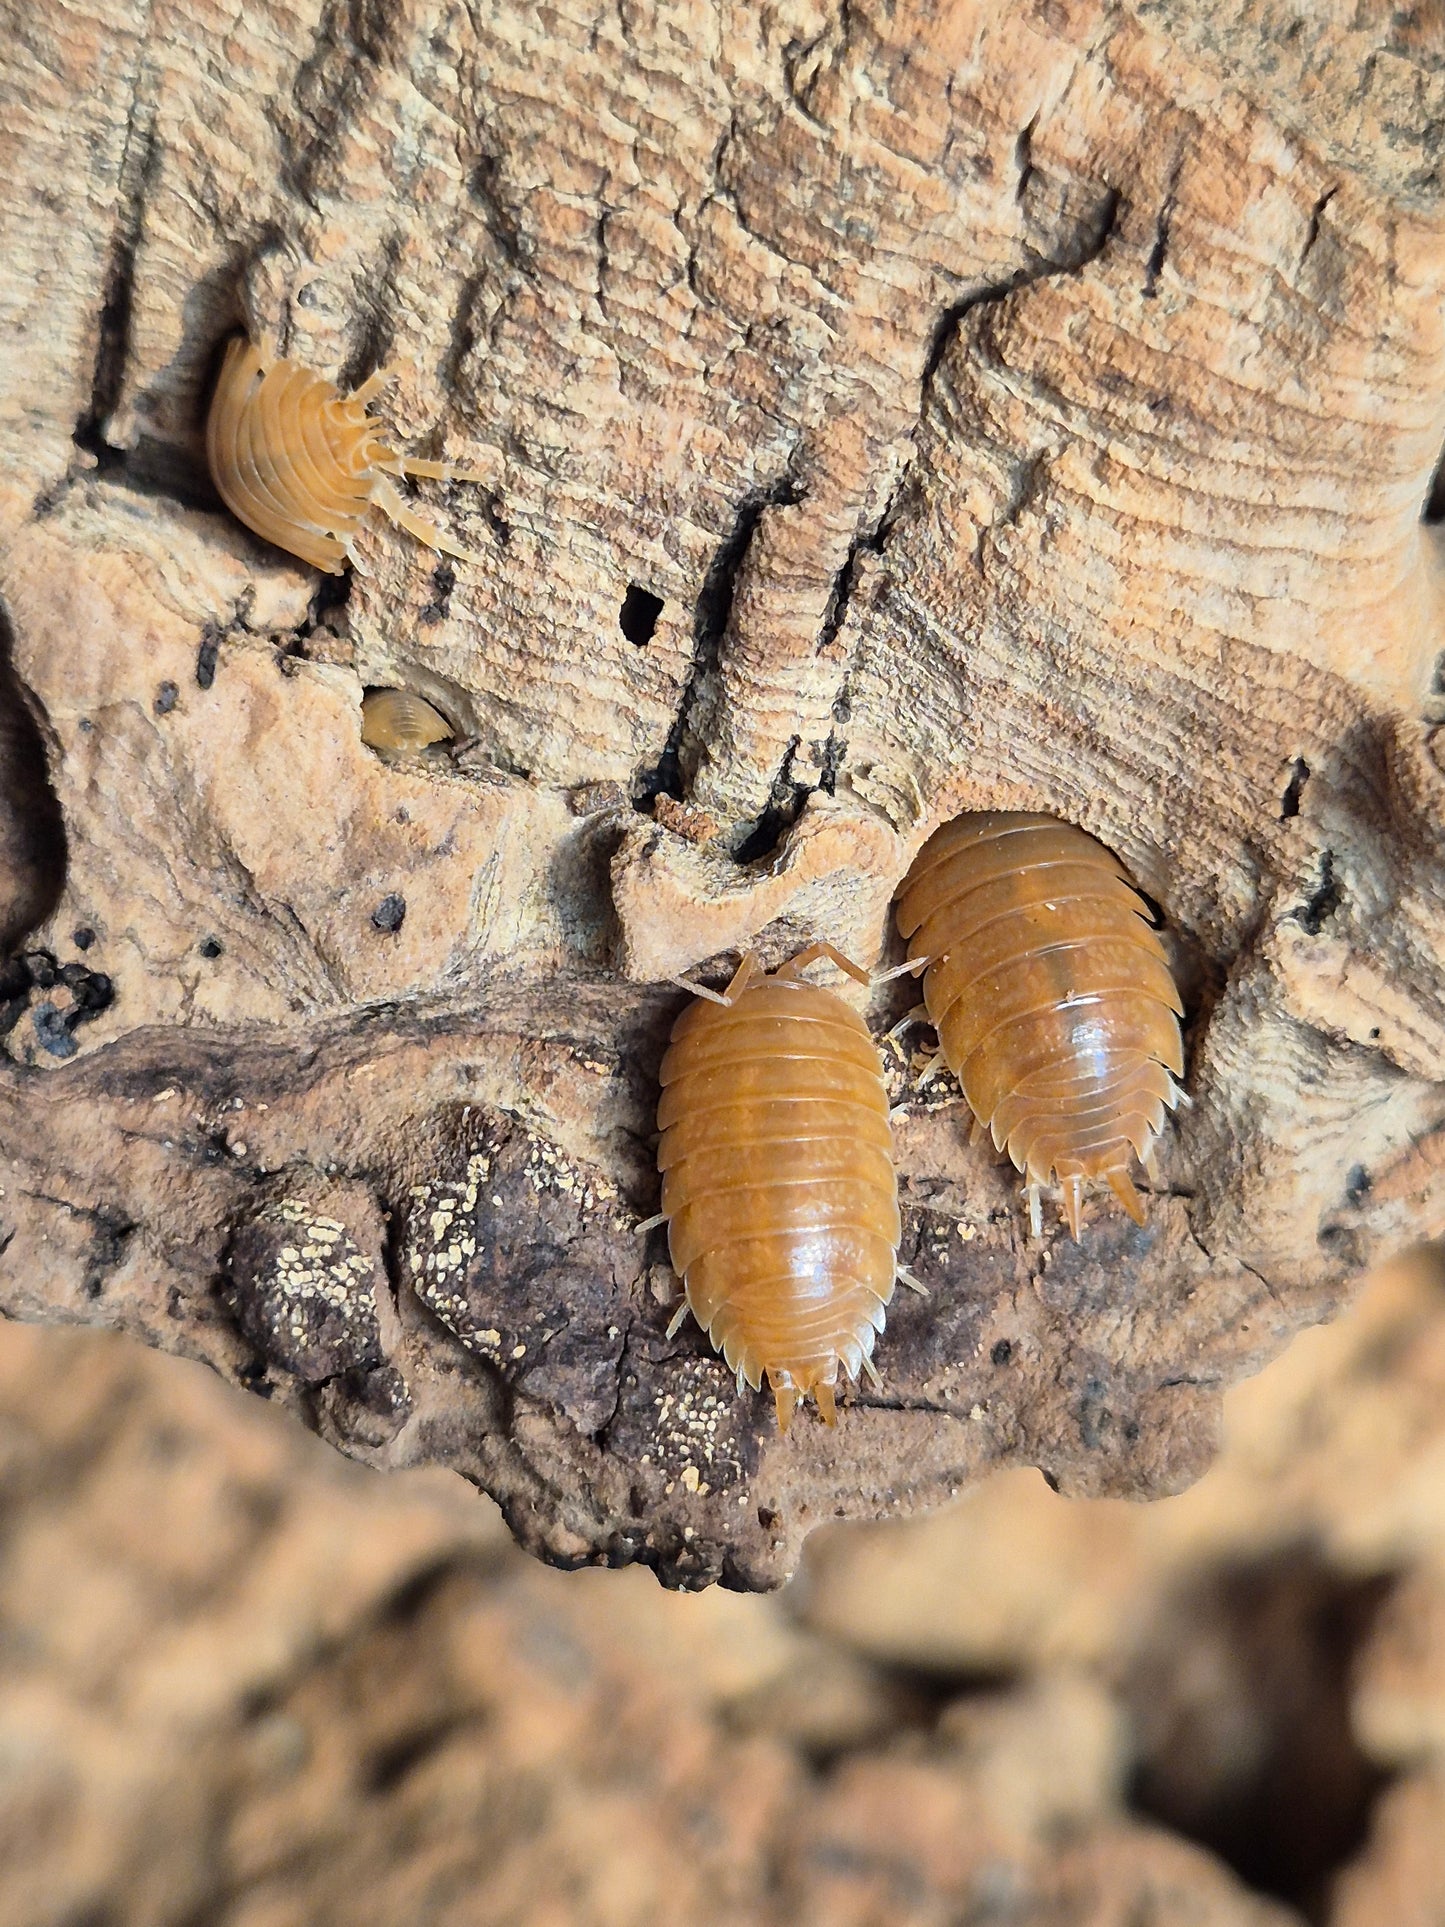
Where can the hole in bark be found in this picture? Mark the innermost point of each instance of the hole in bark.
(1241, 1710)
(1294, 789)
(211, 948)
(1002, 1352)
(32, 832)
(390, 913)
(638, 619)
(167, 696)
(784, 805)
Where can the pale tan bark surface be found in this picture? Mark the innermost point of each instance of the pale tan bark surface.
(1010, 406)
(245, 1682)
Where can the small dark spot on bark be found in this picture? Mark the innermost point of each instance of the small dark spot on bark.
(211, 948)
(390, 913)
(391, 1764)
(767, 1518)
(443, 581)
(1357, 1184)
(1002, 1352)
(83, 938)
(1323, 901)
(207, 654)
(1158, 254)
(91, 990)
(1023, 161)
(1049, 1479)
(252, 1377)
(51, 1031)
(1294, 789)
(638, 617)
(1313, 232)
(496, 521)
(167, 696)
(44, 975)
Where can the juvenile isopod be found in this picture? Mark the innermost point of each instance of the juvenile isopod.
(1052, 996)
(300, 463)
(398, 723)
(778, 1185)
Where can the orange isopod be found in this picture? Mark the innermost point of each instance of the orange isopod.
(778, 1186)
(1052, 996)
(300, 463)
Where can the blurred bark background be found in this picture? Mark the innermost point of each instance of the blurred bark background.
(894, 409)
(245, 1683)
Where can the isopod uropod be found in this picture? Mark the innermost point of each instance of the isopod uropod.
(1052, 996)
(300, 463)
(779, 1190)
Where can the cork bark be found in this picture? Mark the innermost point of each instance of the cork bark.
(890, 411)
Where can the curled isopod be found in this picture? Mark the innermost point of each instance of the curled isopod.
(300, 463)
(778, 1186)
(1052, 996)
(398, 723)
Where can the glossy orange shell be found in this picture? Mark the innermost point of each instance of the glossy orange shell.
(778, 1184)
(292, 458)
(1052, 996)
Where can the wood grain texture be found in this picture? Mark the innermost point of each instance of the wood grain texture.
(1010, 407)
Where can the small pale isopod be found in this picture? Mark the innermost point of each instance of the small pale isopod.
(1052, 996)
(400, 724)
(778, 1185)
(300, 463)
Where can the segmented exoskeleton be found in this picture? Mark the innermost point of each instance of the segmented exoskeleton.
(1052, 996)
(779, 1190)
(398, 723)
(300, 463)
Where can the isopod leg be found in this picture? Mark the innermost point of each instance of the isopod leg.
(1036, 1209)
(372, 386)
(906, 1277)
(395, 510)
(786, 1400)
(913, 966)
(651, 1224)
(1122, 1186)
(977, 1130)
(1073, 1188)
(813, 951)
(931, 1069)
(741, 978)
(439, 471)
(678, 1319)
(873, 1375)
(827, 1404)
(699, 990)
(917, 1015)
